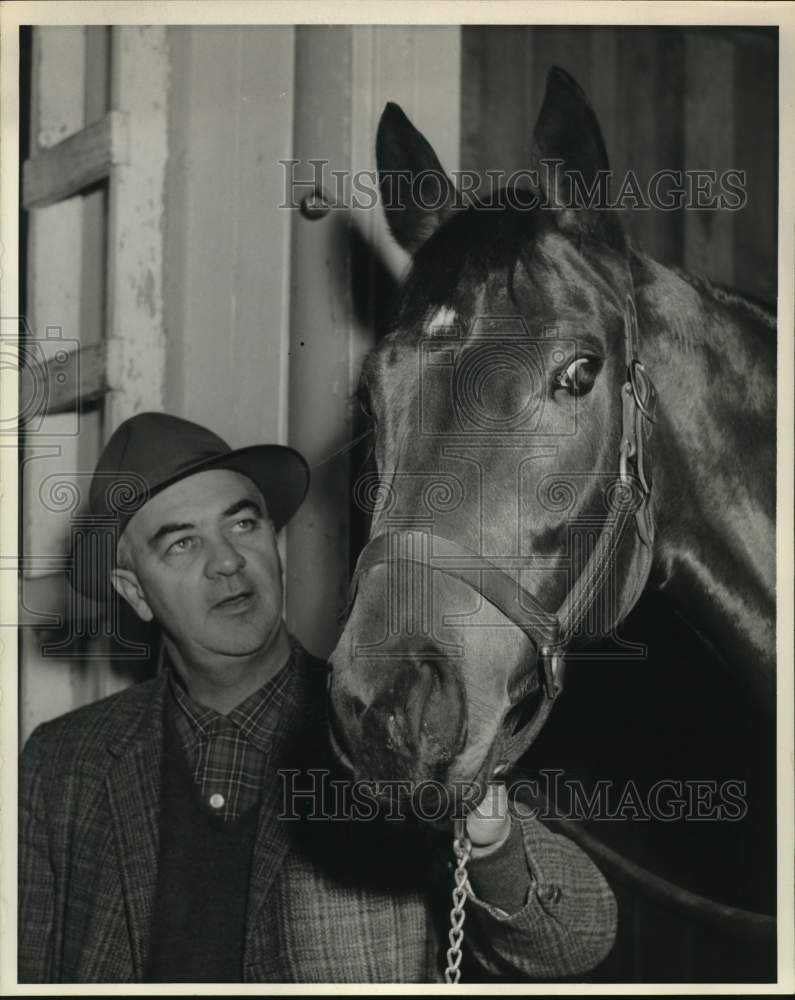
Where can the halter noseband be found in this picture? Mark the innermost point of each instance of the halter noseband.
(550, 632)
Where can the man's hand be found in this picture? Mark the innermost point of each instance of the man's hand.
(489, 824)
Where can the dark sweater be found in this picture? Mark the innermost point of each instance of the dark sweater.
(204, 865)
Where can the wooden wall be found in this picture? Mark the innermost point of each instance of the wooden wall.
(666, 98)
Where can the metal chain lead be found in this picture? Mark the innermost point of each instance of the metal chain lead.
(462, 848)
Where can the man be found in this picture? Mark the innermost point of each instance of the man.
(165, 834)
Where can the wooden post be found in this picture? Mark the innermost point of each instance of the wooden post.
(136, 352)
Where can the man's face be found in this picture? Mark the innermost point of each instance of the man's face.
(204, 564)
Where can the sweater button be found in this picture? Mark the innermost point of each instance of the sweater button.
(217, 801)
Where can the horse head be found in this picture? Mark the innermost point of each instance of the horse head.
(511, 513)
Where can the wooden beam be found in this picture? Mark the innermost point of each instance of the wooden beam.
(63, 382)
(75, 163)
(136, 221)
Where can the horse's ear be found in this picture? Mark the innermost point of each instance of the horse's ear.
(570, 158)
(416, 193)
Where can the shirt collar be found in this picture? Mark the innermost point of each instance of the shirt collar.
(256, 717)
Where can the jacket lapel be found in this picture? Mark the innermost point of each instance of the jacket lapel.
(134, 794)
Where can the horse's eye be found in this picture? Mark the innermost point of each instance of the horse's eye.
(579, 377)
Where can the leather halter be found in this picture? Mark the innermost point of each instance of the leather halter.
(550, 632)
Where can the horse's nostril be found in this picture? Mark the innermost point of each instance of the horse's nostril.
(441, 713)
(418, 710)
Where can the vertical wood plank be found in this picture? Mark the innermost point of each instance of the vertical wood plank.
(320, 323)
(227, 240)
(138, 86)
(648, 130)
(263, 240)
(93, 285)
(497, 100)
(50, 488)
(709, 145)
(92, 289)
(669, 101)
(756, 153)
(604, 88)
(136, 351)
(637, 110)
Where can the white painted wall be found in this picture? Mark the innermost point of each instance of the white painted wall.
(227, 240)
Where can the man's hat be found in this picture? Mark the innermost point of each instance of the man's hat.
(151, 451)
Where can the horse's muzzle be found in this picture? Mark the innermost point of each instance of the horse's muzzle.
(410, 727)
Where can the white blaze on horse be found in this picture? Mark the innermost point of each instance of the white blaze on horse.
(560, 422)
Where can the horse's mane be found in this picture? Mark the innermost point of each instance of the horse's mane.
(473, 241)
(764, 312)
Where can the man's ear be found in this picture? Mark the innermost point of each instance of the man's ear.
(125, 582)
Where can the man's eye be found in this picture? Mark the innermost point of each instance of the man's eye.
(578, 377)
(246, 524)
(181, 545)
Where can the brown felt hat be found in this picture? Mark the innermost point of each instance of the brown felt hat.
(151, 451)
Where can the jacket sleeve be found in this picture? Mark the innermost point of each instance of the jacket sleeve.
(36, 877)
(568, 922)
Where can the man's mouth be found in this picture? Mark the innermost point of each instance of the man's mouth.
(235, 603)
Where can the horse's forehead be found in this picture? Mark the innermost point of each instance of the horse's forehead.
(577, 277)
(555, 280)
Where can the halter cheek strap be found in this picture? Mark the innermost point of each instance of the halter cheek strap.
(550, 632)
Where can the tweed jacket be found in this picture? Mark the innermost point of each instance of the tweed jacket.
(330, 900)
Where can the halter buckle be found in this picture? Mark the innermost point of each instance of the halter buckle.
(629, 444)
(552, 664)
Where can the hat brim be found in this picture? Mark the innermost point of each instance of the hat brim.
(281, 474)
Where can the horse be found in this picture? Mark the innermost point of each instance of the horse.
(561, 423)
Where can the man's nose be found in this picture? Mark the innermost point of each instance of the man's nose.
(223, 558)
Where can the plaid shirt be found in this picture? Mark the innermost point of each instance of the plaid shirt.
(228, 754)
